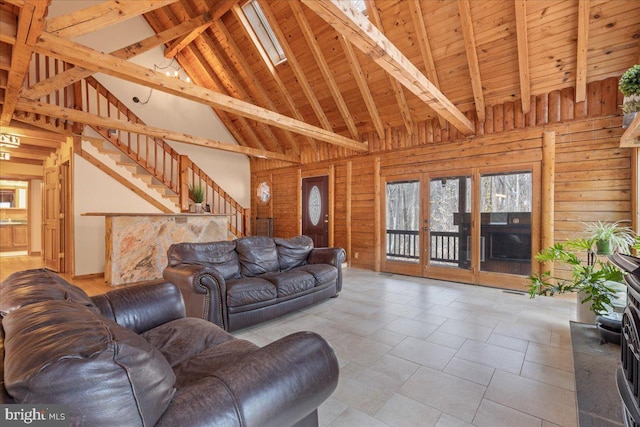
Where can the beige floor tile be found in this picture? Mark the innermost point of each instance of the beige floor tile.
(431, 319)
(356, 325)
(447, 420)
(446, 340)
(508, 342)
(329, 411)
(359, 349)
(448, 312)
(524, 332)
(554, 357)
(355, 418)
(395, 367)
(534, 398)
(491, 414)
(466, 330)
(425, 353)
(365, 389)
(444, 392)
(549, 375)
(388, 337)
(491, 355)
(470, 371)
(400, 411)
(412, 328)
(402, 310)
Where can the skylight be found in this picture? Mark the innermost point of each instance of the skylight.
(263, 30)
(360, 6)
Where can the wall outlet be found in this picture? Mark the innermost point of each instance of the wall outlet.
(356, 255)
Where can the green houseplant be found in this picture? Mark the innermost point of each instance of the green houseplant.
(196, 193)
(629, 85)
(610, 237)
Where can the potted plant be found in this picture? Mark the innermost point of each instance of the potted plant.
(610, 237)
(196, 193)
(629, 85)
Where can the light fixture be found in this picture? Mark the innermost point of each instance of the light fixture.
(4, 155)
(9, 141)
(175, 71)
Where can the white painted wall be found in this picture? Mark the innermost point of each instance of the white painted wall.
(96, 191)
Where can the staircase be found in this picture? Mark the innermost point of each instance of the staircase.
(148, 166)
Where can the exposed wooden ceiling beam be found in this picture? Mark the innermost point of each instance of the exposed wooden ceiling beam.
(83, 56)
(372, 42)
(109, 123)
(396, 87)
(24, 157)
(310, 37)
(472, 56)
(30, 25)
(242, 19)
(581, 57)
(99, 16)
(219, 8)
(9, 25)
(254, 82)
(523, 54)
(295, 67)
(361, 81)
(33, 134)
(631, 137)
(76, 74)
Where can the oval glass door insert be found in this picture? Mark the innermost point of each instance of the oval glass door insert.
(315, 205)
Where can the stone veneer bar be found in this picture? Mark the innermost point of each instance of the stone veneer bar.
(136, 244)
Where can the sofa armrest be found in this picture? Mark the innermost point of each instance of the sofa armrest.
(142, 307)
(331, 256)
(204, 291)
(277, 385)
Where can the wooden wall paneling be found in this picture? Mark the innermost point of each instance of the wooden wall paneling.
(609, 93)
(555, 114)
(488, 121)
(548, 192)
(509, 116)
(594, 99)
(566, 104)
(498, 118)
(542, 109)
(377, 216)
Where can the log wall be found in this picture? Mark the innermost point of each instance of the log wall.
(592, 173)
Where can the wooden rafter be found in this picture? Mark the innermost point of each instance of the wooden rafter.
(361, 81)
(83, 56)
(142, 129)
(320, 60)
(219, 8)
(523, 54)
(581, 57)
(9, 25)
(372, 42)
(242, 19)
(99, 16)
(472, 56)
(234, 88)
(76, 74)
(236, 53)
(47, 139)
(295, 67)
(407, 119)
(30, 25)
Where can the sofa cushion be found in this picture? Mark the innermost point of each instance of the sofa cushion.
(205, 363)
(249, 290)
(290, 282)
(102, 370)
(293, 252)
(181, 339)
(323, 273)
(220, 255)
(31, 286)
(257, 255)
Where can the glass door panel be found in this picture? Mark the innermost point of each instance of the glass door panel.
(505, 217)
(449, 223)
(403, 221)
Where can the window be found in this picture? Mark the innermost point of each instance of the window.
(403, 216)
(360, 6)
(263, 30)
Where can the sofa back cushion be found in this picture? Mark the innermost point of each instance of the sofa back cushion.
(30, 286)
(257, 255)
(220, 255)
(293, 252)
(58, 352)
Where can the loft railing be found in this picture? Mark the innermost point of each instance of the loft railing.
(154, 155)
(405, 245)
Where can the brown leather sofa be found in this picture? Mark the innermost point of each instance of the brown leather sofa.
(239, 283)
(130, 357)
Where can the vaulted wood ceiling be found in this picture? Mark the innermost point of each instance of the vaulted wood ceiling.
(347, 75)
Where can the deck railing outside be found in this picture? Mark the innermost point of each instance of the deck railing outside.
(405, 245)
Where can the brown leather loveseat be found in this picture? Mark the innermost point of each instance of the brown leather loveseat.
(130, 357)
(239, 283)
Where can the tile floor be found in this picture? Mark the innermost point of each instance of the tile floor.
(420, 352)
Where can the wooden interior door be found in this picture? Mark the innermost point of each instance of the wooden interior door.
(51, 221)
(315, 210)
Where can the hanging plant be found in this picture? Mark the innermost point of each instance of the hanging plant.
(629, 83)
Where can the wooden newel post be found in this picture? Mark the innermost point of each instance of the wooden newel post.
(548, 190)
(184, 183)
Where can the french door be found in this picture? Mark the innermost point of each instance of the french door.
(473, 226)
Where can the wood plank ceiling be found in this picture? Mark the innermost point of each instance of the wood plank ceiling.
(347, 75)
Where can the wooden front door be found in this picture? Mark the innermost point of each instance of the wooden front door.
(315, 210)
(51, 221)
